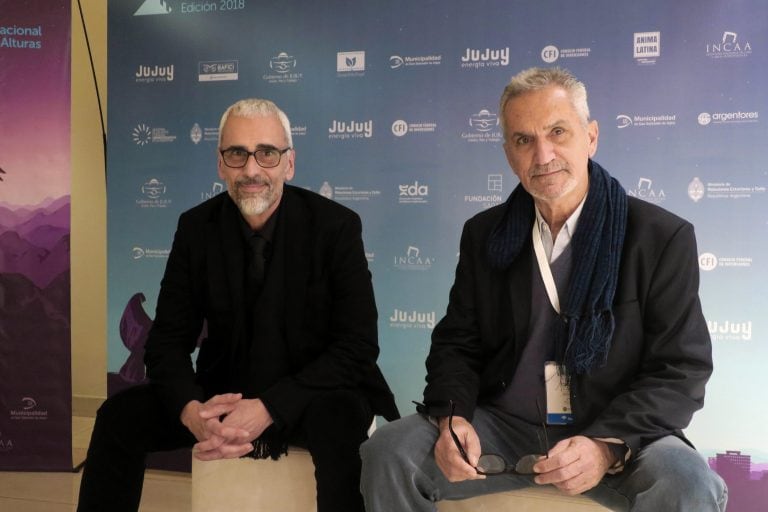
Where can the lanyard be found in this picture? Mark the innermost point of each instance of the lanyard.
(546, 272)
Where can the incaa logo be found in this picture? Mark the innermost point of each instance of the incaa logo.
(707, 261)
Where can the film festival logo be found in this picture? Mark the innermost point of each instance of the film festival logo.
(495, 184)
(143, 134)
(207, 134)
(647, 47)
(729, 47)
(154, 7)
(401, 319)
(397, 62)
(350, 64)
(10, 33)
(217, 70)
(401, 127)
(154, 74)
(485, 58)
(413, 260)
(282, 70)
(153, 191)
(485, 127)
(413, 193)
(344, 130)
(728, 330)
(551, 53)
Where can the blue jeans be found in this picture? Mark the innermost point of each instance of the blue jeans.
(400, 473)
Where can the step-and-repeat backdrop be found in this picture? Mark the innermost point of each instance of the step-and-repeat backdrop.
(35, 362)
(394, 108)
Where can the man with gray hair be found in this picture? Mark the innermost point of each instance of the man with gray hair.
(278, 276)
(573, 351)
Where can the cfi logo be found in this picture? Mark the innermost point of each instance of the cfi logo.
(283, 63)
(484, 121)
(150, 7)
(399, 128)
(707, 261)
(550, 54)
(696, 189)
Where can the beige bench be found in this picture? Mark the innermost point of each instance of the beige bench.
(288, 485)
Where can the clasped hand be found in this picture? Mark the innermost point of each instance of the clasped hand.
(225, 425)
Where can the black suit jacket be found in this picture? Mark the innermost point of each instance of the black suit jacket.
(323, 298)
(660, 357)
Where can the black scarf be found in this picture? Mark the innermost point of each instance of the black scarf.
(586, 339)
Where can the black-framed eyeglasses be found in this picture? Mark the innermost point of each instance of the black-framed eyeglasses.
(266, 157)
(493, 464)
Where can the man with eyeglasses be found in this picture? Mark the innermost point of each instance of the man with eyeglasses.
(573, 351)
(278, 277)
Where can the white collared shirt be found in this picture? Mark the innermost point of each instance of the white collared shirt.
(554, 249)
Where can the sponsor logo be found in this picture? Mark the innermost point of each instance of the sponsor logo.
(645, 191)
(216, 189)
(493, 197)
(728, 47)
(370, 256)
(698, 190)
(350, 63)
(625, 121)
(282, 70)
(413, 260)
(217, 70)
(143, 134)
(413, 193)
(485, 58)
(154, 74)
(397, 62)
(708, 261)
(10, 33)
(647, 47)
(728, 330)
(28, 410)
(551, 53)
(347, 194)
(401, 319)
(705, 118)
(198, 133)
(401, 127)
(350, 130)
(153, 191)
(485, 128)
(138, 253)
(298, 130)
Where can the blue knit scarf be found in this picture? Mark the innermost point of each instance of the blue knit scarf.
(588, 319)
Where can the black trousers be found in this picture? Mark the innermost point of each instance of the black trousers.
(132, 423)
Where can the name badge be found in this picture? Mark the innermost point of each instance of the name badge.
(558, 395)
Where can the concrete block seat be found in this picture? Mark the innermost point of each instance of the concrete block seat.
(288, 485)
